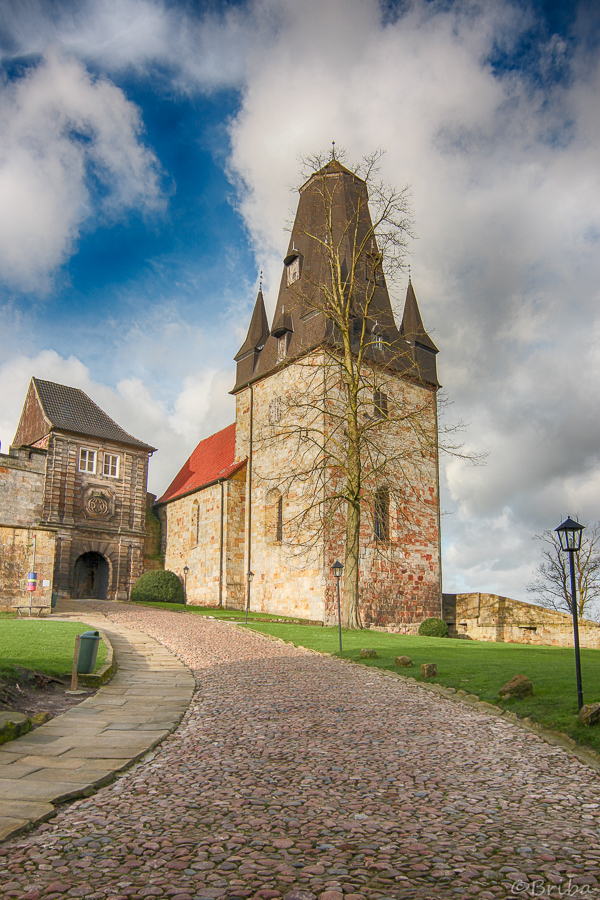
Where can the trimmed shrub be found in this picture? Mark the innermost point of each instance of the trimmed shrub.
(433, 628)
(160, 586)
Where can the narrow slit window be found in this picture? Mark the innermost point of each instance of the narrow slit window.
(279, 521)
(195, 529)
(282, 345)
(382, 514)
(380, 405)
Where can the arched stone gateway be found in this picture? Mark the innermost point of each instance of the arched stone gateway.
(90, 576)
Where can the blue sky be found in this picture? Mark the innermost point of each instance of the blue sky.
(148, 151)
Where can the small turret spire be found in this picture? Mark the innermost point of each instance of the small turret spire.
(258, 332)
(412, 327)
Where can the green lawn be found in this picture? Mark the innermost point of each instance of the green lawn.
(477, 667)
(42, 646)
(215, 612)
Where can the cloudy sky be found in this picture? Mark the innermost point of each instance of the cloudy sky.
(148, 151)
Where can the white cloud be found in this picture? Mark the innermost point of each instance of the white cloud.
(60, 128)
(195, 51)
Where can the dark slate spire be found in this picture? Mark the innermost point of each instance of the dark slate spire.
(248, 355)
(422, 348)
(258, 331)
(299, 323)
(412, 324)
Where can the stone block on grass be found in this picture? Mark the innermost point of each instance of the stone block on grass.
(404, 662)
(429, 670)
(368, 654)
(517, 688)
(13, 725)
(589, 714)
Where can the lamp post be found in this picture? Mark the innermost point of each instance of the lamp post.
(186, 572)
(337, 569)
(569, 534)
(250, 577)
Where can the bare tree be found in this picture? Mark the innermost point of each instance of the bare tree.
(360, 414)
(551, 586)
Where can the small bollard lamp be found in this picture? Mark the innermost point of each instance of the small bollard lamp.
(569, 535)
(186, 572)
(337, 569)
(250, 577)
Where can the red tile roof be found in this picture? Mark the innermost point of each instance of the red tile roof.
(212, 460)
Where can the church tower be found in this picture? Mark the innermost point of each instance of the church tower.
(335, 372)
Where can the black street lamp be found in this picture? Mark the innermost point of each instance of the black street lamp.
(337, 569)
(250, 577)
(186, 572)
(569, 534)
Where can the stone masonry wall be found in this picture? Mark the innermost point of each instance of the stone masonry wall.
(489, 617)
(399, 578)
(285, 581)
(16, 560)
(234, 576)
(22, 486)
(192, 527)
(94, 512)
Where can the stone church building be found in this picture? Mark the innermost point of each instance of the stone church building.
(257, 497)
(72, 501)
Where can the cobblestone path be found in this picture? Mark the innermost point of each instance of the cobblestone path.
(299, 776)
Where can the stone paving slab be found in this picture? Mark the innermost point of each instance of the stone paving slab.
(84, 748)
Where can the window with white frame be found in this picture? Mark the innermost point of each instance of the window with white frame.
(87, 460)
(111, 465)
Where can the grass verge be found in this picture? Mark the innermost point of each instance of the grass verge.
(42, 646)
(476, 667)
(216, 613)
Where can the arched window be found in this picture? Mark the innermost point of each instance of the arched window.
(274, 517)
(382, 514)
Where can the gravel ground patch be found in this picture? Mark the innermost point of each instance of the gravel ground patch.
(299, 776)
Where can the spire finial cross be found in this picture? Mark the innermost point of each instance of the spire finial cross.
(260, 282)
(333, 150)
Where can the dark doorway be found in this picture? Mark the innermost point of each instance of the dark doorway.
(91, 577)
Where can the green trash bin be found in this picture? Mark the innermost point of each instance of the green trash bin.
(54, 600)
(88, 651)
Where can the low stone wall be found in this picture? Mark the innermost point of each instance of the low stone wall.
(16, 557)
(400, 628)
(489, 617)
